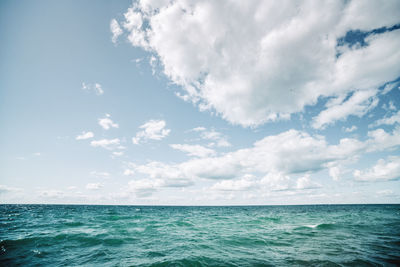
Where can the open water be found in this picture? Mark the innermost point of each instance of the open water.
(314, 235)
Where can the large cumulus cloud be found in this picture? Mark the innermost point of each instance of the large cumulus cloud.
(257, 61)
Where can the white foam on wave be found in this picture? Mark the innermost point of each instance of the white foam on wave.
(311, 225)
(36, 252)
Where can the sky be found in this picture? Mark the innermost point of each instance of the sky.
(156, 102)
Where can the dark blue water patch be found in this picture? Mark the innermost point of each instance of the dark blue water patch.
(325, 235)
(74, 224)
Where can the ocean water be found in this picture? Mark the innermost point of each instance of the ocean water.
(315, 235)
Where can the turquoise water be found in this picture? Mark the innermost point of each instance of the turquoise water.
(320, 235)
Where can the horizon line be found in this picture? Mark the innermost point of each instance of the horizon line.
(168, 205)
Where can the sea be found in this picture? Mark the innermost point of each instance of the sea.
(309, 235)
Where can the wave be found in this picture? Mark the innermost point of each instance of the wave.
(320, 226)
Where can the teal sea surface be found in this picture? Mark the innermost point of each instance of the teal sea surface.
(310, 235)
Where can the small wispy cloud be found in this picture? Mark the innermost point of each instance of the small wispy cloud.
(94, 186)
(85, 135)
(394, 119)
(194, 150)
(108, 144)
(389, 106)
(358, 104)
(217, 139)
(115, 30)
(349, 129)
(389, 87)
(198, 129)
(106, 123)
(152, 130)
(95, 87)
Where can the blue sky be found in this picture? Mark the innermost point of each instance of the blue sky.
(199, 103)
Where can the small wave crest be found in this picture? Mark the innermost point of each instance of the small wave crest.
(320, 226)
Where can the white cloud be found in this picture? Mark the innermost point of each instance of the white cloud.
(274, 161)
(277, 181)
(242, 184)
(384, 170)
(109, 144)
(165, 175)
(106, 123)
(335, 173)
(350, 129)
(128, 172)
(37, 154)
(381, 140)
(379, 14)
(94, 186)
(258, 61)
(282, 152)
(85, 135)
(358, 104)
(143, 188)
(194, 150)
(306, 183)
(152, 130)
(395, 118)
(198, 129)
(7, 189)
(389, 87)
(133, 24)
(389, 106)
(96, 87)
(51, 193)
(278, 153)
(159, 175)
(217, 138)
(115, 30)
(272, 181)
